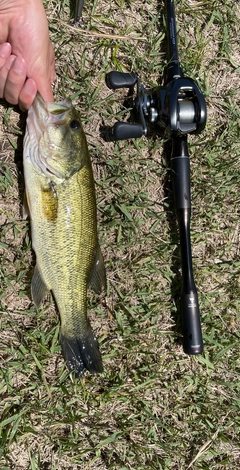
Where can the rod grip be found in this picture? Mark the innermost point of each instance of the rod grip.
(192, 333)
(181, 181)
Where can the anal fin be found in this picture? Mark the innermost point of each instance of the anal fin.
(38, 287)
(98, 275)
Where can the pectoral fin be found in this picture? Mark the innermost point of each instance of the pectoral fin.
(98, 275)
(38, 287)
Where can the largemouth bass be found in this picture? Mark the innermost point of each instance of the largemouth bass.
(62, 207)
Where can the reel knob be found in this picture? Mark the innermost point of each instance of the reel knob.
(115, 80)
(123, 130)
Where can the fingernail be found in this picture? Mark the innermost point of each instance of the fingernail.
(5, 49)
(19, 65)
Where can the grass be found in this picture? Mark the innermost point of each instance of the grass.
(153, 407)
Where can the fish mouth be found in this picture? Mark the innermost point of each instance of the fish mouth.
(50, 112)
(41, 115)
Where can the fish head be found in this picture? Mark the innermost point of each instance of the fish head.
(54, 141)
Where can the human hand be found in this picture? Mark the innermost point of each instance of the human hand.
(26, 53)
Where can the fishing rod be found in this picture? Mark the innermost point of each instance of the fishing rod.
(179, 108)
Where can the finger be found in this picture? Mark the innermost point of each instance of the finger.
(4, 74)
(15, 80)
(27, 94)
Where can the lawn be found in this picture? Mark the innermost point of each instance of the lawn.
(153, 407)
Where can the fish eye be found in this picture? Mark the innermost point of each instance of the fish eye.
(74, 124)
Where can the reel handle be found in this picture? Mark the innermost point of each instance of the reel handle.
(125, 130)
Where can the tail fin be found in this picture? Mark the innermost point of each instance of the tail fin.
(82, 353)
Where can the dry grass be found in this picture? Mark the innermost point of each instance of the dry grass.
(154, 407)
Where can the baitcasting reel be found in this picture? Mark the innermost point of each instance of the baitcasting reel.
(179, 107)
